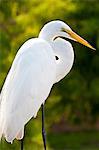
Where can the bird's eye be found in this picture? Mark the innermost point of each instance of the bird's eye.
(56, 57)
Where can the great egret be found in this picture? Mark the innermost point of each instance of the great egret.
(34, 71)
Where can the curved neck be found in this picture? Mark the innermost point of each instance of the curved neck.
(61, 48)
(65, 56)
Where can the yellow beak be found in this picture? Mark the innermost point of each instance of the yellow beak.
(79, 39)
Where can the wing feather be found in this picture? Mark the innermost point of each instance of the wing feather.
(27, 86)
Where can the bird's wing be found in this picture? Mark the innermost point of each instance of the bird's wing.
(27, 86)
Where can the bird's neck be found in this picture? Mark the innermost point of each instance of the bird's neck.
(48, 36)
(63, 52)
(64, 57)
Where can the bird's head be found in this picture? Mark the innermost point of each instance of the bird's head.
(55, 29)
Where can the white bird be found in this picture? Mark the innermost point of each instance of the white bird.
(34, 71)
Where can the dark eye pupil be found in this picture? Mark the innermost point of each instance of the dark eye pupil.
(56, 57)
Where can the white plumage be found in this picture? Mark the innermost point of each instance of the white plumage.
(31, 77)
(27, 86)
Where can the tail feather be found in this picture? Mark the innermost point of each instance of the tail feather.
(20, 134)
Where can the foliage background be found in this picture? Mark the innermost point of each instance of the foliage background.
(72, 110)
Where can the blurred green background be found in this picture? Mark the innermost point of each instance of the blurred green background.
(72, 110)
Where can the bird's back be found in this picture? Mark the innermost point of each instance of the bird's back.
(26, 87)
